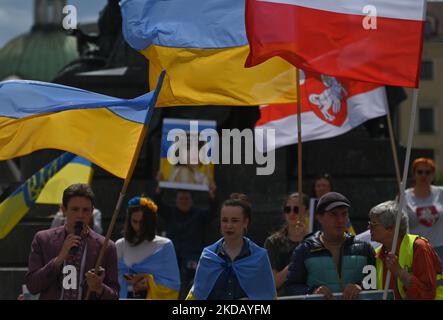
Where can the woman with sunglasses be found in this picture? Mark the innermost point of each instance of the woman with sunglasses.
(282, 243)
(425, 204)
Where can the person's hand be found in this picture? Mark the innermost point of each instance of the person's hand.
(351, 291)
(299, 231)
(391, 262)
(71, 241)
(95, 281)
(324, 291)
(141, 285)
(133, 278)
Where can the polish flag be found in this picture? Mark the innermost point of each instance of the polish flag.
(379, 41)
(329, 107)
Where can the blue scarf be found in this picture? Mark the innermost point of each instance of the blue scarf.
(253, 272)
(162, 265)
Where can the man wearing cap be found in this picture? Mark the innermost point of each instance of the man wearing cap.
(330, 260)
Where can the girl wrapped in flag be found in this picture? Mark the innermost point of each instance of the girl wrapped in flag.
(147, 263)
(234, 267)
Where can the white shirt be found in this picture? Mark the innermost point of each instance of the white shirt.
(134, 254)
(366, 237)
(426, 215)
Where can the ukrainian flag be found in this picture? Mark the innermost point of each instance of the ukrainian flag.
(202, 45)
(105, 130)
(78, 170)
(161, 271)
(253, 272)
(18, 203)
(350, 227)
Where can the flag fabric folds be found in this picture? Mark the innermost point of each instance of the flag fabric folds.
(14, 208)
(254, 273)
(161, 271)
(379, 41)
(105, 130)
(329, 107)
(202, 45)
(78, 170)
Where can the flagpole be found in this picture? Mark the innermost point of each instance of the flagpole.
(299, 147)
(393, 148)
(127, 180)
(119, 203)
(401, 204)
(14, 170)
(402, 186)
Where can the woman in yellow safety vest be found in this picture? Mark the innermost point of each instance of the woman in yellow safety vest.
(415, 267)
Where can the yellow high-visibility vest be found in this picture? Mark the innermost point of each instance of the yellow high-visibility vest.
(405, 257)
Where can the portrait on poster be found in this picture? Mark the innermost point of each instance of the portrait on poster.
(185, 169)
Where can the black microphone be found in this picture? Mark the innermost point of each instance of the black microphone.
(77, 231)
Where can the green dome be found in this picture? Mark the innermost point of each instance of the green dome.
(37, 55)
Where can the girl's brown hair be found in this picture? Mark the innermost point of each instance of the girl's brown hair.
(148, 224)
(240, 200)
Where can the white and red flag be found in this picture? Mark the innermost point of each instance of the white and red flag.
(379, 41)
(329, 107)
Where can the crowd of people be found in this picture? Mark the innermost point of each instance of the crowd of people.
(298, 259)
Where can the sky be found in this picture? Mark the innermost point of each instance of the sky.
(16, 16)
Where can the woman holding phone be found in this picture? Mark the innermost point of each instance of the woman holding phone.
(147, 263)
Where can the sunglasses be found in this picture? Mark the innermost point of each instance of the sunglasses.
(424, 172)
(289, 209)
(372, 224)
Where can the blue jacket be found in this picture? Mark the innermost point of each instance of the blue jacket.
(312, 265)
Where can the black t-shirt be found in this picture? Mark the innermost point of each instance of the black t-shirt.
(280, 251)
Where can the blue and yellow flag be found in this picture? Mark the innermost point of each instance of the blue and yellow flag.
(202, 45)
(350, 228)
(253, 272)
(78, 170)
(13, 208)
(161, 271)
(105, 130)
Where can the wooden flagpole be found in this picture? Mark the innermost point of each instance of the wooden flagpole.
(402, 187)
(127, 180)
(119, 203)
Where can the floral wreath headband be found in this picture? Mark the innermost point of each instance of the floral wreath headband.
(144, 202)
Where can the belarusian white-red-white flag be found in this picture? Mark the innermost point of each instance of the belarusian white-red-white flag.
(329, 106)
(379, 41)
